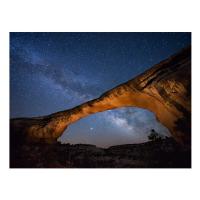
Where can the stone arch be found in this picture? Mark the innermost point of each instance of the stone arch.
(165, 90)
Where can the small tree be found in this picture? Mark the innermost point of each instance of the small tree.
(154, 136)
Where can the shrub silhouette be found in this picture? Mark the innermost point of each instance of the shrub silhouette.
(154, 136)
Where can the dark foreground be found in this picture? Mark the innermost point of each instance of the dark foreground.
(156, 154)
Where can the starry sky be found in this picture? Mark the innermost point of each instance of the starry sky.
(50, 72)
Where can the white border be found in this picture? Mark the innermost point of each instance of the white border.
(104, 15)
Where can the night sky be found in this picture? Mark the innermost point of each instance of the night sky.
(50, 72)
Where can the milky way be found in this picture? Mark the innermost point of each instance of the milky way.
(56, 71)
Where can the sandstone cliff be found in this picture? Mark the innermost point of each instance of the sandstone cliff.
(165, 90)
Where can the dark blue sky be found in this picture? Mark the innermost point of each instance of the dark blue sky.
(55, 71)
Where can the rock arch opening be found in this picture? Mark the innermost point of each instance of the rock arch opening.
(124, 125)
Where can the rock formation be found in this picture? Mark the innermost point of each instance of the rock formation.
(165, 90)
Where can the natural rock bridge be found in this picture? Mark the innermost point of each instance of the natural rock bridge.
(165, 90)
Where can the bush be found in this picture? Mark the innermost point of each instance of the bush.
(154, 136)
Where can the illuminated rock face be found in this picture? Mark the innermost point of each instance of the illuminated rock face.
(165, 90)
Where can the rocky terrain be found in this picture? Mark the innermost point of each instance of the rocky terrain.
(164, 89)
(165, 153)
